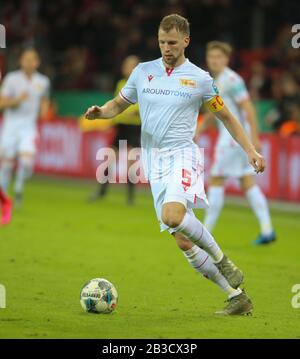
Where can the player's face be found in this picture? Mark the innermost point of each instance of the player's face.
(172, 45)
(216, 60)
(29, 61)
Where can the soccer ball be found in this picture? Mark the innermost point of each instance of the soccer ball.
(98, 296)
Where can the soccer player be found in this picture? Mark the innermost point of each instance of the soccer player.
(127, 126)
(170, 91)
(23, 96)
(229, 159)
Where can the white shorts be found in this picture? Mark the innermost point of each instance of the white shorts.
(230, 161)
(15, 141)
(177, 176)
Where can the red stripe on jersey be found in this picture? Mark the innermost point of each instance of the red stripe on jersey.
(126, 99)
(169, 70)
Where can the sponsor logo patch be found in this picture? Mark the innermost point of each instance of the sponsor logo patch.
(188, 83)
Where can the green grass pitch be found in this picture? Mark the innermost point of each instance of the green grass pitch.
(58, 241)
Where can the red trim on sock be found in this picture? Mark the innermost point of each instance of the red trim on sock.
(202, 263)
(125, 98)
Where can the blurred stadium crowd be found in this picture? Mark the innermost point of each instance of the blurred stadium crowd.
(83, 42)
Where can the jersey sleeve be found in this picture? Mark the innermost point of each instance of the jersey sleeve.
(211, 98)
(7, 88)
(129, 91)
(238, 90)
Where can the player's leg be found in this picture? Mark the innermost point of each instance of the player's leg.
(175, 216)
(133, 141)
(203, 263)
(26, 149)
(6, 170)
(130, 187)
(238, 302)
(222, 164)
(100, 191)
(259, 205)
(215, 197)
(8, 150)
(24, 172)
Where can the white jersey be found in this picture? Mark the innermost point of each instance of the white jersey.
(14, 84)
(232, 90)
(169, 101)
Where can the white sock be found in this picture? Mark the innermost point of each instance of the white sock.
(24, 171)
(260, 207)
(194, 230)
(203, 264)
(216, 202)
(6, 170)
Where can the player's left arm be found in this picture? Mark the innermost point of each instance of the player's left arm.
(44, 106)
(237, 132)
(45, 99)
(249, 110)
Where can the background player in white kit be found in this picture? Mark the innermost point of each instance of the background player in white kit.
(170, 91)
(229, 159)
(24, 96)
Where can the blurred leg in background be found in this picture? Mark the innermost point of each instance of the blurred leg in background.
(130, 133)
(24, 172)
(259, 206)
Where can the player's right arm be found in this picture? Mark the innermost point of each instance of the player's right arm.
(111, 109)
(12, 102)
(126, 97)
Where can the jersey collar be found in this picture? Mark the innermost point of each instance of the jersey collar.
(26, 77)
(169, 71)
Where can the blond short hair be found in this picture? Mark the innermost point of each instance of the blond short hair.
(175, 21)
(220, 45)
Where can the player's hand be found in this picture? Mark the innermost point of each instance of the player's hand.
(257, 161)
(93, 112)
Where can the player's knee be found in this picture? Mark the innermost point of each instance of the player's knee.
(26, 164)
(247, 182)
(26, 161)
(182, 242)
(172, 218)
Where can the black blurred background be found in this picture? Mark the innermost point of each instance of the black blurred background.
(83, 42)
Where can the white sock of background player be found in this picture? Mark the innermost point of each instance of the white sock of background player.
(216, 202)
(260, 207)
(24, 171)
(6, 170)
(203, 264)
